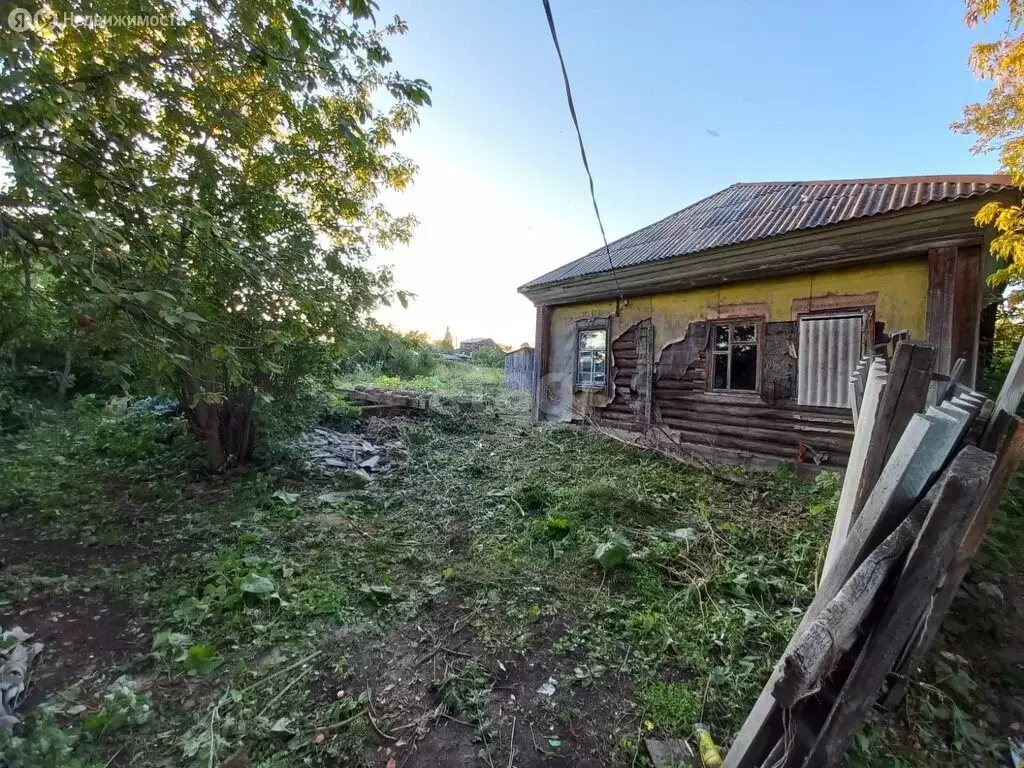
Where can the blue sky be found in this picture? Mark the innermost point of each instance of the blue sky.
(793, 90)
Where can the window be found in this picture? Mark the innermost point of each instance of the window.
(591, 358)
(734, 356)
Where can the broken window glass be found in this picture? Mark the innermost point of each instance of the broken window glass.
(734, 364)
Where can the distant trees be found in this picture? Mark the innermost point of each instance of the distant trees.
(447, 343)
(998, 124)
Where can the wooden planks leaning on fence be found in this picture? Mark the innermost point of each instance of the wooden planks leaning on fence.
(921, 489)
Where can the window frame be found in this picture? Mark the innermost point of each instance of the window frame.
(759, 326)
(582, 326)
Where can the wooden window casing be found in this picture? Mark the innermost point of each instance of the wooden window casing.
(726, 352)
(592, 356)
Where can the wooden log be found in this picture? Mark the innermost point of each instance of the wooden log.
(835, 629)
(783, 436)
(780, 450)
(779, 422)
(682, 408)
(1009, 454)
(905, 392)
(963, 485)
(862, 439)
(1013, 388)
(693, 403)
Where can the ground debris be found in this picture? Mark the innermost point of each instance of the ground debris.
(16, 656)
(673, 752)
(332, 450)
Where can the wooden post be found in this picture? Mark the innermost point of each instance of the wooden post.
(542, 354)
(938, 328)
(962, 487)
(643, 379)
(953, 316)
(968, 286)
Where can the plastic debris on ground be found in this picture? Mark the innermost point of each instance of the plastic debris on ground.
(16, 657)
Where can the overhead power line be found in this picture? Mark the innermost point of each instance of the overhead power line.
(579, 136)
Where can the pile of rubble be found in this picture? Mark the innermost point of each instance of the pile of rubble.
(333, 451)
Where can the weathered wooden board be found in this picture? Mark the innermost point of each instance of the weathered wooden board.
(962, 487)
(862, 440)
(672, 753)
(835, 629)
(906, 389)
(892, 498)
(945, 388)
(1009, 454)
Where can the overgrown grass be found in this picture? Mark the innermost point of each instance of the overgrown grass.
(492, 528)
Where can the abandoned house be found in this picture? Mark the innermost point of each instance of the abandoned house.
(734, 325)
(471, 345)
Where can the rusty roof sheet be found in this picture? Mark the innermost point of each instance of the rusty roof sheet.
(754, 211)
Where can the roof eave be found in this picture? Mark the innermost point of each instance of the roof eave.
(883, 237)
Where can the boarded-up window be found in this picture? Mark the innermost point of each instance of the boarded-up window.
(829, 350)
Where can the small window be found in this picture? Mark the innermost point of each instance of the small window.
(592, 358)
(734, 357)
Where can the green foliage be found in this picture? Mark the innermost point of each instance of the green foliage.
(483, 543)
(1009, 330)
(207, 192)
(447, 342)
(997, 126)
(121, 708)
(673, 707)
(383, 350)
(612, 552)
(42, 744)
(491, 357)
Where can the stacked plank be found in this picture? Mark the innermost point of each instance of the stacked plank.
(929, 464)
(374, 401)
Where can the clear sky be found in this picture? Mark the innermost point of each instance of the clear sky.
(676, 100)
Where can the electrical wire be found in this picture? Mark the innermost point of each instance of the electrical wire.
(579, 137)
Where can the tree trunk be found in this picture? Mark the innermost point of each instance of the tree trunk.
(62, 387)
(226, 428)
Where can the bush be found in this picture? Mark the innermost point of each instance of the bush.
(493, 357)
(379, 349)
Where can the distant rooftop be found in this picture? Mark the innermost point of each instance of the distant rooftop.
(753, 211)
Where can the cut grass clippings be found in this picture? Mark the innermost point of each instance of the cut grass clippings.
(426, 610)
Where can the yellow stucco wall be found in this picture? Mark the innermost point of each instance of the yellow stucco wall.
(901, 289)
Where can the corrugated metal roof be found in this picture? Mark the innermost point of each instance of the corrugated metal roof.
(754, 211)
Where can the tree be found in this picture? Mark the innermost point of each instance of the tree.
(447, 343)
(210, 184)
(998, 125)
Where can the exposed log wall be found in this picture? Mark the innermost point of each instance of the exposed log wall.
(744, 425)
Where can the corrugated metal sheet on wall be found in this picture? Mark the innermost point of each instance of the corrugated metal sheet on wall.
(829, 350)
(520, 368)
